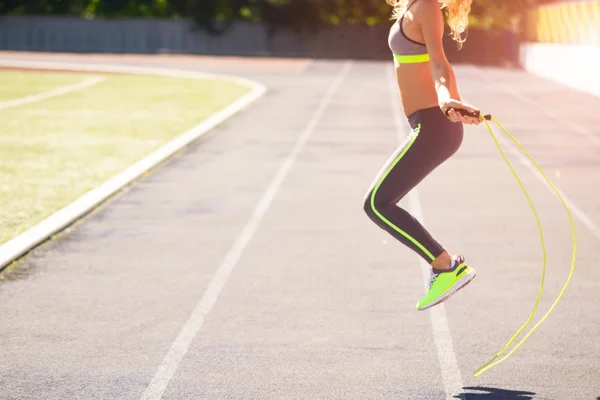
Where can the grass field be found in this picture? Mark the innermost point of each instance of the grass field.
(56, 149)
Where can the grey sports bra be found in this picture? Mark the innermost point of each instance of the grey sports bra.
(404, 49)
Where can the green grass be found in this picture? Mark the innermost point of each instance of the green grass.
(15, 84)
(55, 150)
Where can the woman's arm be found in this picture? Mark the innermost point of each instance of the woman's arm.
(431, 21)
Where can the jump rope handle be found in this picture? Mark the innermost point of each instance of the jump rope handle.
(468, 114)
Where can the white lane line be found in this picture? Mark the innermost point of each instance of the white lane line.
(51, 93)
(512, 148)
(181, 344)
(576, 211)
(553, 115)
(451, 376)
(550, 114)
(15, 248)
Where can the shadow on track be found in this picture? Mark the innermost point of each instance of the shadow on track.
(494, 394)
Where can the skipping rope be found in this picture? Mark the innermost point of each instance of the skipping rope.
(496, 359)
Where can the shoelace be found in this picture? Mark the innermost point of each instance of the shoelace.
(432, 278)
(456, 260)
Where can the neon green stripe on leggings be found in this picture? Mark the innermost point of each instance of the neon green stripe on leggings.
(400, 231)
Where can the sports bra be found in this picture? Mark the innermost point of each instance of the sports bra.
(404, 49)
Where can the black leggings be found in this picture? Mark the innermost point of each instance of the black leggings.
(434, 138)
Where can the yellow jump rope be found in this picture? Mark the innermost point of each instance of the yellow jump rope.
(495, 361)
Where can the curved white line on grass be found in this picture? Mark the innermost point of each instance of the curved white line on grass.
(128, 69)
(52, 93)
(15, 248)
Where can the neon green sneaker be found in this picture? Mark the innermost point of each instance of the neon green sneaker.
(443, 284)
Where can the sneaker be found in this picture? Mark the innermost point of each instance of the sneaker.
(443, 284)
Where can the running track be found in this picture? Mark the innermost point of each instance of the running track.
(135, 301)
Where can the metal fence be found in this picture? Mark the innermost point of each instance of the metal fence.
(67, 34)
(70, 34)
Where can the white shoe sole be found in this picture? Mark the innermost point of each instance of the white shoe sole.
(462, 282)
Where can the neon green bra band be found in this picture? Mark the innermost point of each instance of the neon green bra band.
(411, 59)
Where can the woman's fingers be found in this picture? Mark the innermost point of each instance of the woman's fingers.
(455, 116)
(472, 120)
(462, 118)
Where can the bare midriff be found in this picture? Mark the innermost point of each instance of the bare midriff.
(416, 86)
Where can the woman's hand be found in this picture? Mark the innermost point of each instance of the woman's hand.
(451, 105)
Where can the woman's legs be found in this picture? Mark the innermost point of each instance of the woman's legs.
(432, 141)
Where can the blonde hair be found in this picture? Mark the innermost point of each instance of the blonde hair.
(457, 11)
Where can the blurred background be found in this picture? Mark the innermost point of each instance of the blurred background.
(282, 28)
